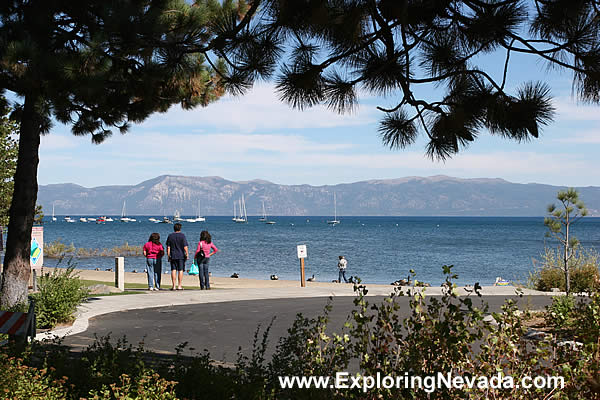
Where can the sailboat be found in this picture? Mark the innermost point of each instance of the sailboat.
(53, 217)
(124, 218)
(264, 213)
(177, 216)
(335, 220)
(243, 218)
(264, 217)
(198, 218)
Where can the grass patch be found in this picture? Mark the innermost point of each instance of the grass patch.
(114, 294)
(132, 285)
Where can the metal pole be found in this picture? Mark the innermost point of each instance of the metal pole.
(34, 277)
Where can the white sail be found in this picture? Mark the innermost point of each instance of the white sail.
(335, 220)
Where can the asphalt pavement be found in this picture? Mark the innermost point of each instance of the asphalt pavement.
(224, 327)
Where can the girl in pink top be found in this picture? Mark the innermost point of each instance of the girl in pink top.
(208, 248)
(153, 251)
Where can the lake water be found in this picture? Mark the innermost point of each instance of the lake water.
(378, 249)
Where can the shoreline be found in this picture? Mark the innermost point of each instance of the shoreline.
(252, 283)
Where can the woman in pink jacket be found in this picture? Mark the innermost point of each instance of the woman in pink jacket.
(203, 257)
(153, 251)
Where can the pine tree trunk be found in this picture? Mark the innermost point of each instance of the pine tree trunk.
(566, 259)
(17, 269)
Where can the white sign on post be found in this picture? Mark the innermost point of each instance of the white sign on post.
(301, 251)
(36, 259)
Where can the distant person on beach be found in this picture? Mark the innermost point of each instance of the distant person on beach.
(342, 264)
(177, 251)
(203, 257)
(154, 251)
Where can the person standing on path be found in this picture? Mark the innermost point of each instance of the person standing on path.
(203, 257)
(154, 251)
(177, 251)
(342, 264)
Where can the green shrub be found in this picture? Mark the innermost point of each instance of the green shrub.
(59, 295)
(445, 334)
(583, 268)
(18, 381)
(559, 313)
(149, 386)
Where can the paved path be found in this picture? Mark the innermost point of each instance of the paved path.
(226, 319)
(103, 305)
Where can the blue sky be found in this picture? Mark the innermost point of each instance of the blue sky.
(258, 137)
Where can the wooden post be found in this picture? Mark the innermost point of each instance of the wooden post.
(120, 273)
(302, 254)
(302, 281)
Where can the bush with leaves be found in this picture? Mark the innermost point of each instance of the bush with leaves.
(448, 334)
(60, 292)
(149, 386)
(559, 313)
(19, 381)
(583, 268)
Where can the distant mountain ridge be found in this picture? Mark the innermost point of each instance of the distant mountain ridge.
(438, 195)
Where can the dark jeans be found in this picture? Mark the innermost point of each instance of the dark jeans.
(342, 275)
(203, 272)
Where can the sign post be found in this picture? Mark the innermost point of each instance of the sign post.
(36, 259)
(36, 256)
(302, 255)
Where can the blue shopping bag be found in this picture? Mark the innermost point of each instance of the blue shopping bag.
(193, 269)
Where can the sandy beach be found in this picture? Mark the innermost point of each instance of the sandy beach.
(244, 283)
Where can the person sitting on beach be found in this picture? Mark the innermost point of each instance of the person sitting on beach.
(177, 251)
(153, 251)
(208, 249)
(342, 264)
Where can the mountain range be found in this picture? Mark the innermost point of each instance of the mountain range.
(410, 196)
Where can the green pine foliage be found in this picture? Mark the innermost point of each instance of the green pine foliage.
(8, 159)
(337, 50)
(100, 66)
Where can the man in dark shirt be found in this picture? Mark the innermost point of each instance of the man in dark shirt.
(177, 251)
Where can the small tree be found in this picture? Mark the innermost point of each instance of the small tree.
(559, 226)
